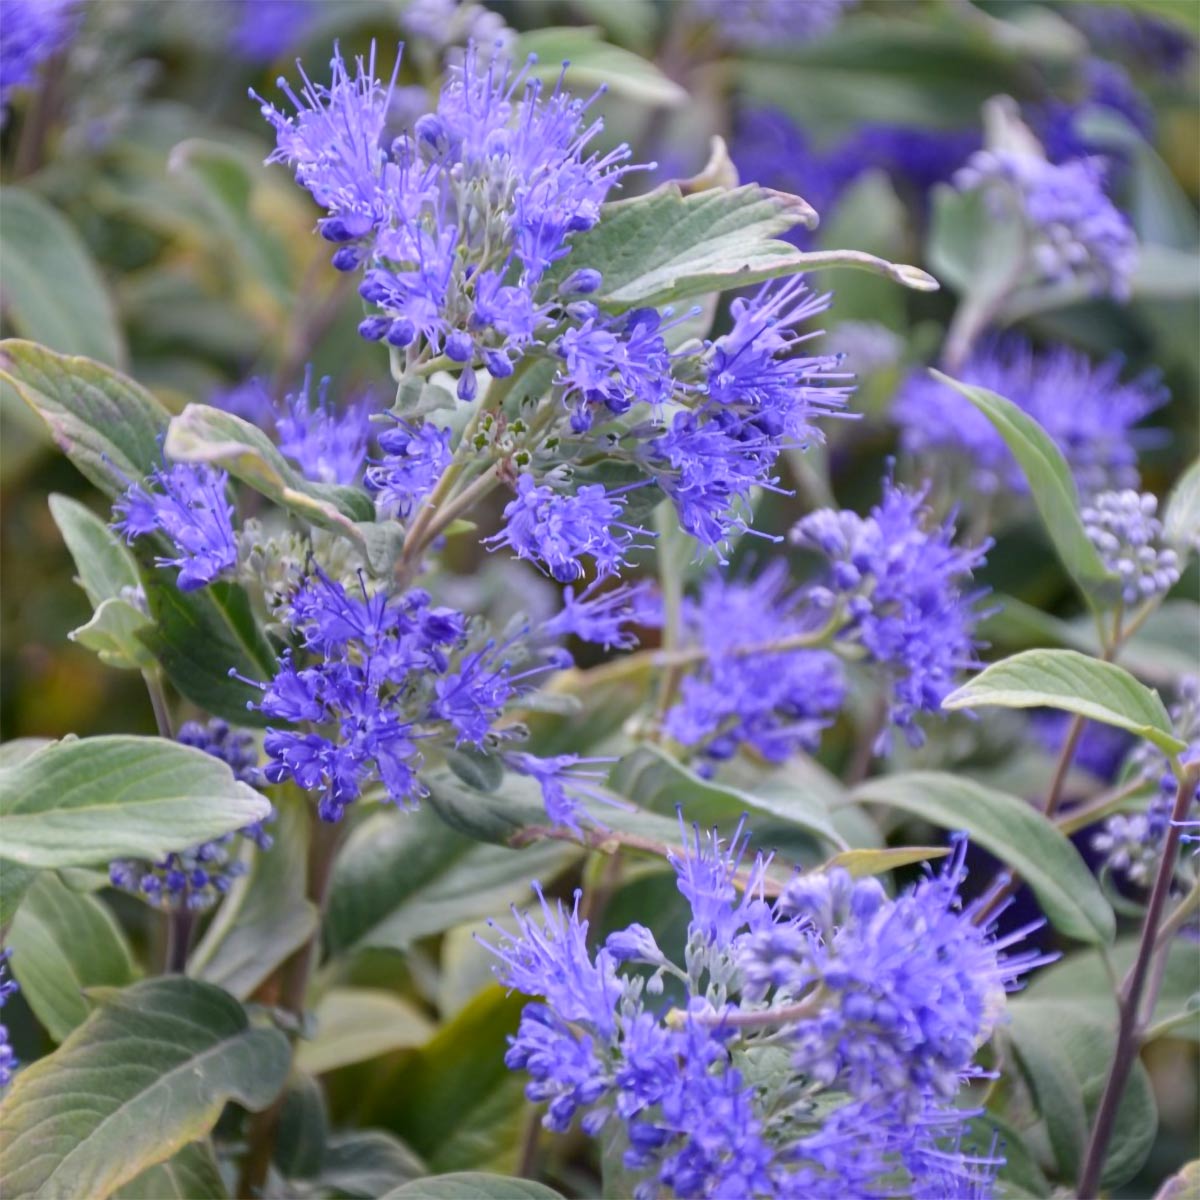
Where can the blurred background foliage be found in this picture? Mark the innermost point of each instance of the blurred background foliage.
(139, 227)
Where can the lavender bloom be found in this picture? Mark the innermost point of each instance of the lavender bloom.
(602, 617)
(197, 877)
(1107, 86)
(443, 23)
(185, 502)
(1156, 44)
(880, 1004)
(917, 157)
(750, 687)
(8, 986)
(762, 23)
(565, 783)
(760, 396)
(1076, 231)
(900, 581)
(327, 445)
(264, 29)
(554, 531)
(1128, 536)
(414, 458)
(1084, 406)
(32, 31)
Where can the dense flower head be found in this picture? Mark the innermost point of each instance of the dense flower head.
(755, 683)
(770, 22)
(1085, 406)
(603, 615)
(8, 985)
(1129, 538)
(1076, 231)
(459, 219)
(32, 31)
(566, 781)
(186, 503)
(412, 460)
(757, 393)
(901, 583)
(197, 877)
(913, 156)
(1131, 843)
(871, 1010)
(556, 531)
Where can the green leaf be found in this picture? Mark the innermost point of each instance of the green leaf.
(473, 1185)
(968, 248)
(93, 800)
(595, 63)
(1181, 517)
(861, 863)
(303, 1125)
(105, 566)
(667, 246)
(146, 1074)
(1082, 980)
(1012, 831)
(356, 1024)
(266, 915)
(64, 942)
(653, 780)
(114, 633)
(368, 1164)
(106, 424)
(1050, 483)
(1087, 1046)
(53, 292)
(189, 1174)
(199, 637)
(400, 879)
(208, 435)
(1075, 683)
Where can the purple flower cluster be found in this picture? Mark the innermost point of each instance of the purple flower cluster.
(327, 441)
(879, 1006)
(1123, 528)
(32, 30)
(758, 392)
(603, 615)
(186, 503)
(1106, 86)
(766, 23)
(1154, 43)
(413, 459)
(195, 878)
(1086, 407)
(8, 986)
(899, 583)
(754, 684)
(460, 219)
(263, 29)
(554, 531)
(1075, 230)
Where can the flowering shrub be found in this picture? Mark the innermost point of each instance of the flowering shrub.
(575, 602)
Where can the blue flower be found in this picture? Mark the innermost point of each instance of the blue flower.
(8, 986)
(32, 31)
(900, 581)
(414, 457)
(1129, 539)
(185, 502)
(264, 29)
(197, 877)
(749, 687)
(1084, 406)
(1077, 233)
(1101, 749)
(602, 615)
(1158, 45)
(565, 781)
(328, 445)
(555, 531)
(767, 23)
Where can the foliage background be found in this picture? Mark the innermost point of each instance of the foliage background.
(180, 260)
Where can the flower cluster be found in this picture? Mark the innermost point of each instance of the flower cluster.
(771, 22)
(460, 219)
(897, 593)
(187, 504)
(197, 877)
(32, 30)
(818, 1049)
(1075, 231)
(1123, 528)
(413, 459)
(1086, 407)
(1106, 86)
(8, 1059)
(1158, 45)
(1131, 843)
(756, 684)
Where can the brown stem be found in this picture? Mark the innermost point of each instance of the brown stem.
(326, 837)
(1130, 1000)
(181, 924)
